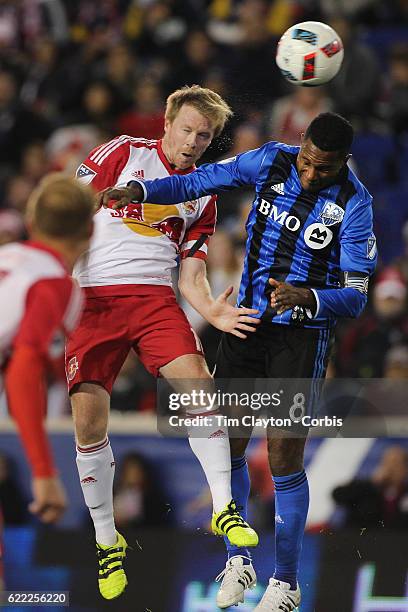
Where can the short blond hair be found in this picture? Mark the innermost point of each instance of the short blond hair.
(207, 102)
(60, 207)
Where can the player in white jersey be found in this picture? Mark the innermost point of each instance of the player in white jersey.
(126, 275)
(39, 304)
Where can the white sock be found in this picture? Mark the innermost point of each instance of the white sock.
(212, 450)
(96, 467)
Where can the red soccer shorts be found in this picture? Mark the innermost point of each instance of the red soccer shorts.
(146, 318)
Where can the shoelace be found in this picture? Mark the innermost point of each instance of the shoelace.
(235, 511)
(229, 568)
(103, 553)
(274, 594)
(105, 559)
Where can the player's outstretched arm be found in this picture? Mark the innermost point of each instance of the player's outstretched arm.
(27, 404)
(208, 179)
(47, 311)
(194, 286)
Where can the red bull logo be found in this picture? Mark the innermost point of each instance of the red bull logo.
(171, 227)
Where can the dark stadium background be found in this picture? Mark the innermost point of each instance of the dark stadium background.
(75, 73)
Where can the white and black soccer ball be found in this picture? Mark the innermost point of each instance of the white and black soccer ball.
(309, 53)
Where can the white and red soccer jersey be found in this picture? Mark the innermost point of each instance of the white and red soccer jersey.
(139, 243)
(39, 305)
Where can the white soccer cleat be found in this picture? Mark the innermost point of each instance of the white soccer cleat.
(279, 597)
(236, 577)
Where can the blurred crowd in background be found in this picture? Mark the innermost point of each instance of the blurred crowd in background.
(73, 74)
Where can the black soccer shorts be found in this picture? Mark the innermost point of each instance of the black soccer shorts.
(275, 351)
(283, 355)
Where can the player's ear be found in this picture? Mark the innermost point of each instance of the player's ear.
(167, 124)
(302, 137)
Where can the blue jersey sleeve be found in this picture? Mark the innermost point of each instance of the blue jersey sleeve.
(208, 179)
(358, 258)
(357, 241)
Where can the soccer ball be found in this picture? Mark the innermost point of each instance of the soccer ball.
(309, 53)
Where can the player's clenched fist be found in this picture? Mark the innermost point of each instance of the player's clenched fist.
(122, 195)
(49, 501)
(286, 296)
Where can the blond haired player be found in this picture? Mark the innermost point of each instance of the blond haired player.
(40, 303)
(126, 275)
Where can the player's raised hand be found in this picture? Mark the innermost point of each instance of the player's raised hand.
(286, 296)
(230, 319)
(49, 501)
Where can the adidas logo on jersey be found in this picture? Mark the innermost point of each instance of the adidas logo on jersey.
(139, 174)
(88, 480)
(218, 434)
(278, 188)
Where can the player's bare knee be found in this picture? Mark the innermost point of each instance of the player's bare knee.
(285, 455)
(90, 409)
(200, 374)
(88, 431)
(199, 368)
(187, 367)
(238, 446)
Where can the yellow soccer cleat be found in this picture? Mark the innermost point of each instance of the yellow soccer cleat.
(112, 578)
(230, 523)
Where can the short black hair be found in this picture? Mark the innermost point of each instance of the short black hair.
(330, 132)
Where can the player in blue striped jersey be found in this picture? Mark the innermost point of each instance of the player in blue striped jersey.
(309, 254)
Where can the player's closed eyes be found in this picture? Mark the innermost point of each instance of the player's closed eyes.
(323, 170)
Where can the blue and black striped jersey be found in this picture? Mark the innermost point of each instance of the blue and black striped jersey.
(321, 240)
